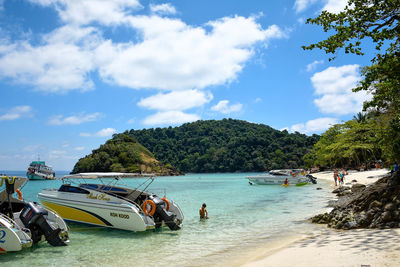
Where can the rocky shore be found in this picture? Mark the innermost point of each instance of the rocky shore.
(374, 206)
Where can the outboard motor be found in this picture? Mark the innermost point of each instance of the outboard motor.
(162, 214)
(33, 217)
(311, 178)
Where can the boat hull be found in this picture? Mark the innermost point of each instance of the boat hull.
(105, 213)
(279, 180)
(32, 176)
(12, 238)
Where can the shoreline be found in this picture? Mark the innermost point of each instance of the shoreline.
(324, 246)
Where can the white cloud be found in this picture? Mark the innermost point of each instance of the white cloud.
(106, 132)
(170, 55)
(79, 148)
(224, 107)
(258, 100)
(332, 6)
(342, 104)
(176, 56)
(163, 9)
(73, 120)
(178, 100)
(61, 63)
(312, 66)
(334, 86)
(170, 117)
(301, 5)
(82, 12)
(16, 113)
(336, 79)
(335, 6)
(312, 126)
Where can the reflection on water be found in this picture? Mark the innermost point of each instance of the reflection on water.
(240, 216)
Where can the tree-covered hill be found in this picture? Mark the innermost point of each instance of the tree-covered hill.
(122, 153)
(225, 146)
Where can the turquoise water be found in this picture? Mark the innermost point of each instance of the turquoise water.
(241, 217)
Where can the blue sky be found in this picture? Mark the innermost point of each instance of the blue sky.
(72, 73)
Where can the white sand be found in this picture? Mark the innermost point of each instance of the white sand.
(339, 248)
(329, 247)
(363, 177)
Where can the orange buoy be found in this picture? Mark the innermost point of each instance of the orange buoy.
(167, 202)
(145, 207)
(20, 197)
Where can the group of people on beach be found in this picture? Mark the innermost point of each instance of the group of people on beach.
(338, 176)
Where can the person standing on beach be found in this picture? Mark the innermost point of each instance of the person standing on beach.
(203, 212)
(341, 175)
(335, 176)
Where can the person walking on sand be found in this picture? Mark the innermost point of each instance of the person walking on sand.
(335, 176)
(203, 212)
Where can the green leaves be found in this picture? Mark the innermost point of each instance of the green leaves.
(376, 20)
(346, 145)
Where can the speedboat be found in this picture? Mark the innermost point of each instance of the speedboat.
(278, 177)
(99, 199)
(23, 224)
(38, 170)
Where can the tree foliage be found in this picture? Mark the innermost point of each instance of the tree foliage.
(350, 144)
(122, 153)
(225, 146)
(377, 20)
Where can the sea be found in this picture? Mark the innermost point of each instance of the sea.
(243, 217)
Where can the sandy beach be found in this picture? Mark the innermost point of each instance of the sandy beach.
(329, 247)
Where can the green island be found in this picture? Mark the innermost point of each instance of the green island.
(203, 146)
(122, 153)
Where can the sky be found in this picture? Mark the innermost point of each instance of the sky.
(75, 72)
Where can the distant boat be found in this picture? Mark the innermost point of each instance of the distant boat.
(278, 177)
(38, 170)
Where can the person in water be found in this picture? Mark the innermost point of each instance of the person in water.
(285, 182)
(203, 212)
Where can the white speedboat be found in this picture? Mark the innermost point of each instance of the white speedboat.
(278, 177)
(25, 223)
(99, 199)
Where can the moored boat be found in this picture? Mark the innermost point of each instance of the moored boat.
(38, 170)
(278, 177)
(99, 199)
(25, 223)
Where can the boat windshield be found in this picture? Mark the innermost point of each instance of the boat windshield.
(72, 189)
(110, 182)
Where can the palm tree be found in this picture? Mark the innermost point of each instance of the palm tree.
(360, 117)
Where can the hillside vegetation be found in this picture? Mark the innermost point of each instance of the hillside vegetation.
(122, 153)
(225, 146)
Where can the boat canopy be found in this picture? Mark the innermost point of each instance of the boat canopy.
(96, 175)
(38, 163)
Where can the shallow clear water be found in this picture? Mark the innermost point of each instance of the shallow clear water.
(241, 216)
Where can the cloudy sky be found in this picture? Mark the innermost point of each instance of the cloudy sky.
(74, 72)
